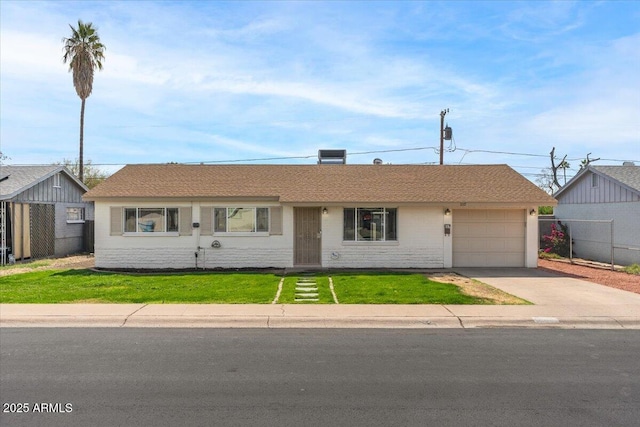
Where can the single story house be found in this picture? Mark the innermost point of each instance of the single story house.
(320, 216)
(603, 193)
(42, 213)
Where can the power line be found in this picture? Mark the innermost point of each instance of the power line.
(396, 150)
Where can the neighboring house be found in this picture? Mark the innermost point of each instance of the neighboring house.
(327, 216)
(42, 213)
(603, 193)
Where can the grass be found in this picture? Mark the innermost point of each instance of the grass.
(394, 288)
(26, 265)
(87, 286)
(632, 269)
(548, 255)
(76, 286)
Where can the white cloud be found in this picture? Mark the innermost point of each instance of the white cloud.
(278, 79)
(31, 56)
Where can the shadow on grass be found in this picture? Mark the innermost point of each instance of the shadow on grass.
(93, 272)
(81, 272)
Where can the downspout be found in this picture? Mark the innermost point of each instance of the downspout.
(22, 232)
(198, 247)
(196, 225)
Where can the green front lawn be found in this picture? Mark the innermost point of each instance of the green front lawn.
(87, 286)
(66, 286)
(394, 288)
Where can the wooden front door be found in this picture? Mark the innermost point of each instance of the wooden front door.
(308, 236)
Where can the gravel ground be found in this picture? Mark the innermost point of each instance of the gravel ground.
(74, 262)
(603, 276)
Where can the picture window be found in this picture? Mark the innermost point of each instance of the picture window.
(241, 220)
(151, 220)
(370, 224)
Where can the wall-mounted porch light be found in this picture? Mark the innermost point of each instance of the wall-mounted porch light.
(325, 211)
(447, 212)
(532, 212)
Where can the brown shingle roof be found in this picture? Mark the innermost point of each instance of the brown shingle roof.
(325, 183)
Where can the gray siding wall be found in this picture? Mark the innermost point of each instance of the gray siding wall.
(592, 240)
(46, 192)
(69, 236)
(606, 191)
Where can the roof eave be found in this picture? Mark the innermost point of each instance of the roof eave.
(183, 198)
(44, 177)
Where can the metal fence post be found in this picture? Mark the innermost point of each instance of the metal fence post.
(612, 267)
(570, 243)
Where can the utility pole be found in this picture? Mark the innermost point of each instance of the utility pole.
(445, 133)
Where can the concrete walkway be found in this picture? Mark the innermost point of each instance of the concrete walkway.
(558, 302)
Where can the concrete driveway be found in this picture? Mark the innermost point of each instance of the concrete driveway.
(558, 302)
(556, 299)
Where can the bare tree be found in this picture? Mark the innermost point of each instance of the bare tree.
(584, 163)
(545, 180)
(92, 174)
(554, 168)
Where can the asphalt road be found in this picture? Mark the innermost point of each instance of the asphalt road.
(328, 377)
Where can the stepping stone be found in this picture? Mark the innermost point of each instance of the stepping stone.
(306, 288)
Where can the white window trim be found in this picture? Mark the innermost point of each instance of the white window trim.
(356, 242)
(370, 243)
(57, 180)
(149, 233)
(241, 233)
(76, 221)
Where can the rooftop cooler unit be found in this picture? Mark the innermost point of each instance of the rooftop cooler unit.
(332, 157)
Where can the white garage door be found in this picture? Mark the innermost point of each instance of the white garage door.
(488, 238)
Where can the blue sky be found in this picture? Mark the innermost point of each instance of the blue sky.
(225, 81)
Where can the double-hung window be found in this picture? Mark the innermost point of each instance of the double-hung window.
(75, 215)
(240, 220)
(370, 224)
(151, 220)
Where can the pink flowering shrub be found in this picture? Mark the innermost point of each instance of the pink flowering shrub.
(558, 241)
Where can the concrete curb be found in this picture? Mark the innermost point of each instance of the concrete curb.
(279, 322)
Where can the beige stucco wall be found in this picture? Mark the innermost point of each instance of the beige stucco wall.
(150, 250)
(421, 242)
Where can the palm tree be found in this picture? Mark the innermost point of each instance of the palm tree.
(564, 166)
(84, 52)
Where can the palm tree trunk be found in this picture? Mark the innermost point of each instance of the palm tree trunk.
(81, 156)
